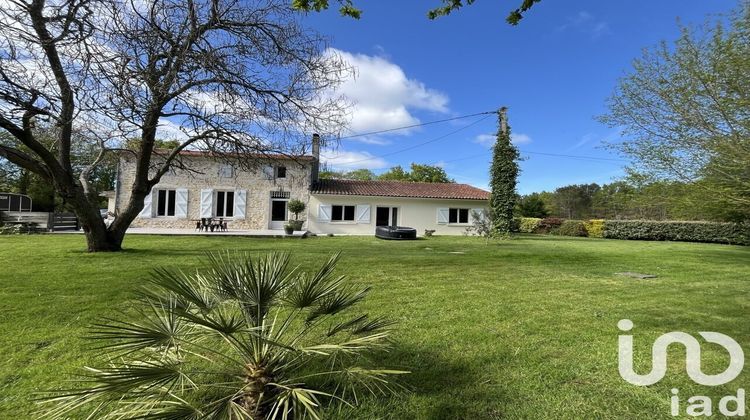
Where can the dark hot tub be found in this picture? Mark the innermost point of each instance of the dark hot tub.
(395, 232)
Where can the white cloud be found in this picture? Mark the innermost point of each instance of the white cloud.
(170, 130)
(585, 139)
(485, 139)
(374, 140)
(383, 96)
(489, 139)
(587, 23)
(520, 138)
(348, 160)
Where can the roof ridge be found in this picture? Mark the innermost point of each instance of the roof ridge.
(398, 181)
(230, 154)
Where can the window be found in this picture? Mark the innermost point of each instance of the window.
(458, 216)
(224, 204)
(281, 172)
(226, 171)
(342, 213)
(165, 202)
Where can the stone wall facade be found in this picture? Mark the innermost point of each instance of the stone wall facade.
(207, 172)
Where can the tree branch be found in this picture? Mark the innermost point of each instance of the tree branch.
(23, 160)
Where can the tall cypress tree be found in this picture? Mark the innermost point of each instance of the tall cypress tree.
(503, 178)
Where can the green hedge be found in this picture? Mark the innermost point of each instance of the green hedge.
(723, 233)
(647, 230)
(571, 228)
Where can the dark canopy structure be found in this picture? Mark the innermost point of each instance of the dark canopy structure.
(14, 202)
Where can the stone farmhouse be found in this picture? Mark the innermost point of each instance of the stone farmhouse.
(256, 198)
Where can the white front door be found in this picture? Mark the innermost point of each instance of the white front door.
(279, 213)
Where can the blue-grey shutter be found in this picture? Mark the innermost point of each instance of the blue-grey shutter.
(363, 214)
(442, 216)
(240, 202)
(147, 211)
(181, 203)
(324, 213)
(207, 203)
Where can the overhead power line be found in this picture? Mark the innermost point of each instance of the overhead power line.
(488, 154)
(420, 144)
(485, 113)
(574, 156)
(372, 133)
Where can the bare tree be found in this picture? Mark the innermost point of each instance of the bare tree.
(227, 76)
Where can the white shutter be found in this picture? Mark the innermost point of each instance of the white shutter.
(181, 203)
(207, 203)
(363, 214)
(479, 212)
(147, 211)
(240, 201)
(268, 172)
(324, 213)
(442, 216)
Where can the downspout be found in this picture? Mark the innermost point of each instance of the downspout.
(117, 185)
(314, 173)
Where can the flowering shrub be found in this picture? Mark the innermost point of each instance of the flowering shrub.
(528, 224)
(595, 228)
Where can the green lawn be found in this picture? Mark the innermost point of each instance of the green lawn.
(516, 329)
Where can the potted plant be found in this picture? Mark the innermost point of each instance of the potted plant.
(289, 228)
(296, 207)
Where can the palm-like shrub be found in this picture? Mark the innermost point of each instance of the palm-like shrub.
(246, 338)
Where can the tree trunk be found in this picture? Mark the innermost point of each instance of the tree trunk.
(256, 380)
(102, 240)
(98, 237)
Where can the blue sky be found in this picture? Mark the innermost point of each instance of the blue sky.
(554, 71)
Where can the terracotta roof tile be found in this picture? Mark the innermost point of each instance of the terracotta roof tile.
(399, 189)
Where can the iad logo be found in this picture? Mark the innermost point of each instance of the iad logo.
(692, 359)
(699, 405)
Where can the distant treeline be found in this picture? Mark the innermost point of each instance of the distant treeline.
(631, 200)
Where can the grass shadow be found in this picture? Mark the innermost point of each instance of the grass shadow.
(436, 387)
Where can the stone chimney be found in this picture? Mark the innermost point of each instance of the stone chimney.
(316, 158)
